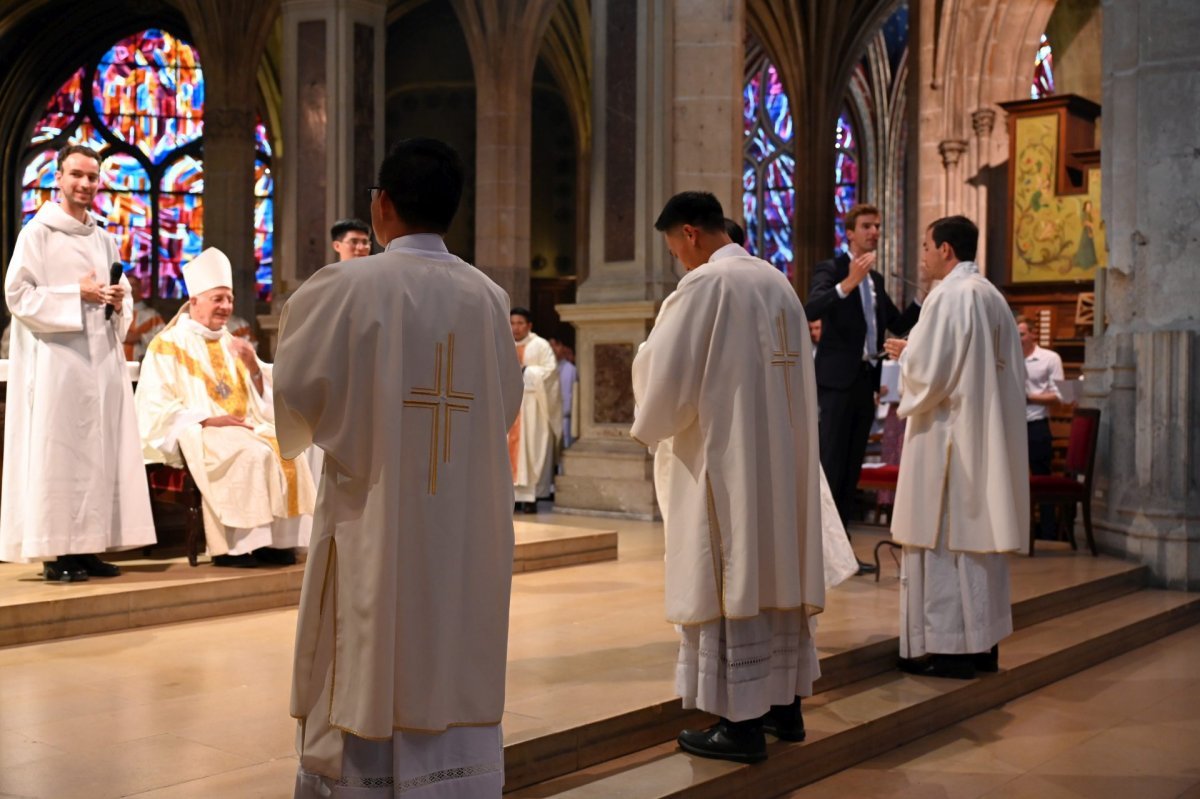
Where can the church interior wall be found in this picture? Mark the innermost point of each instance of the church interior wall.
(430, 91)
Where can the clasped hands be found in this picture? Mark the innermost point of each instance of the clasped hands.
(101, 293)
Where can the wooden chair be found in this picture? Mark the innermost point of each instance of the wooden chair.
(1075, 485)
(175, 487)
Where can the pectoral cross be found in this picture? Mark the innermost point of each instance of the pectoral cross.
(785, 358)
(443, 401)
(1000, 361)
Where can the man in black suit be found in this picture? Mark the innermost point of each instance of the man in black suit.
(854, 312)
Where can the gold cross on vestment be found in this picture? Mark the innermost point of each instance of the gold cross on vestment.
(443, 400)
(785, 358)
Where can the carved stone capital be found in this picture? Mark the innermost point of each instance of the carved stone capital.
(983, 120)
(951, 150)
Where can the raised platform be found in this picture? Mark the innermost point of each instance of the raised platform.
(159, 591)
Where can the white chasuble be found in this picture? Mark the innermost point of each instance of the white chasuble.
(725, 392)
(963, 494)
(401, 367)
(253, 497)
(965, 444)
(74, 482)
(533, 437)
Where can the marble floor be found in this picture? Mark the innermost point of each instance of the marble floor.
(200, 708)
(1129, 727)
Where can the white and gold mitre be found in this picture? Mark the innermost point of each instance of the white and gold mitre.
(208, 270)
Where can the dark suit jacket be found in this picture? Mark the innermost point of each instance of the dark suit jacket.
(843, 325)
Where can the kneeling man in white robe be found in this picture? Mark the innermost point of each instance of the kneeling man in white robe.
(401, 367)
(204, 400)
(726, 394)
(962, 500)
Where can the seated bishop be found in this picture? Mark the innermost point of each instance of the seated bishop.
(204, 400)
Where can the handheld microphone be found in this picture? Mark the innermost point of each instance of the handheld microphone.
(114, 274)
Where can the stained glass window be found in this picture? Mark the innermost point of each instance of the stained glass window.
(1043, 71)
(768, 177)
(845, 177)
(141, 106)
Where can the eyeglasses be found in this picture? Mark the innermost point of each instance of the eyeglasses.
(373, 191)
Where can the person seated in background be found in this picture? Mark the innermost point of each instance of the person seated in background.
(146, 323)
(204, 400)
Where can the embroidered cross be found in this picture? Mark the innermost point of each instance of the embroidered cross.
(443, 401)
(1000, 361)
(786, 359)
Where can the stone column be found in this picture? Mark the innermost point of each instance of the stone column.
(648, 60)
(332, 138)
(1143, 372)
(982, 122)
(951, 151)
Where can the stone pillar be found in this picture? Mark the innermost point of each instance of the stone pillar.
(648, 59)
(231, 101)
(951, 151)
(982, 122)
(1143, 372)
(332, 138)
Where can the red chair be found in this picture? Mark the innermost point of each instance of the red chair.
(171, 486)
(1076, 485)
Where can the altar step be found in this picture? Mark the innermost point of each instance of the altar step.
(863, 707)
(157, 591)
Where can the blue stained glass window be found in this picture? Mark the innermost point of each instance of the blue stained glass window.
(845, 177)
(1043, 71)
(768, 177)
(141, 106)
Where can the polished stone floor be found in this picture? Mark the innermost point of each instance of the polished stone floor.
(200, 708)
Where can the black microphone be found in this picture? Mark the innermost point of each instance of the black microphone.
(114, 275)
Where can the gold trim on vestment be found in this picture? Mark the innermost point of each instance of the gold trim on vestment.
(236, 401)
(440, 426)
(809, 610)
(289, 473)
(787, 359)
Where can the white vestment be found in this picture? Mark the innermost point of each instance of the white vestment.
(146, 324)
(401, 367)
(534, 436)
(74, 482)
(726, 384)
(963, 494)
(252, 497)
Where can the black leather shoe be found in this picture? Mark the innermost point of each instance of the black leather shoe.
(785, 722)
(741, 742)
(866, 568)
(236, 561)
(271, 556)
(63, 571)
(988, 661)
(529, 507)
(955, 667)
(96, 567)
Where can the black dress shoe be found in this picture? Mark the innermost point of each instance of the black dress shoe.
(529, 507)
(785, 722)
(275, 557)
(955, 667)
(236, 561)
(866, 568)
(63, 571)
(988, 661)
(96, 567)
(739, 741)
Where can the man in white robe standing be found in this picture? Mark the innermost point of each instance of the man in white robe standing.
(534, 437)
(962, 499)
(204, 400)
(401, 367)
(726, 396)
(74, 483)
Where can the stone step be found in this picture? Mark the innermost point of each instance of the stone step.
(867, 718)
(168, 591)
(558, 752)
